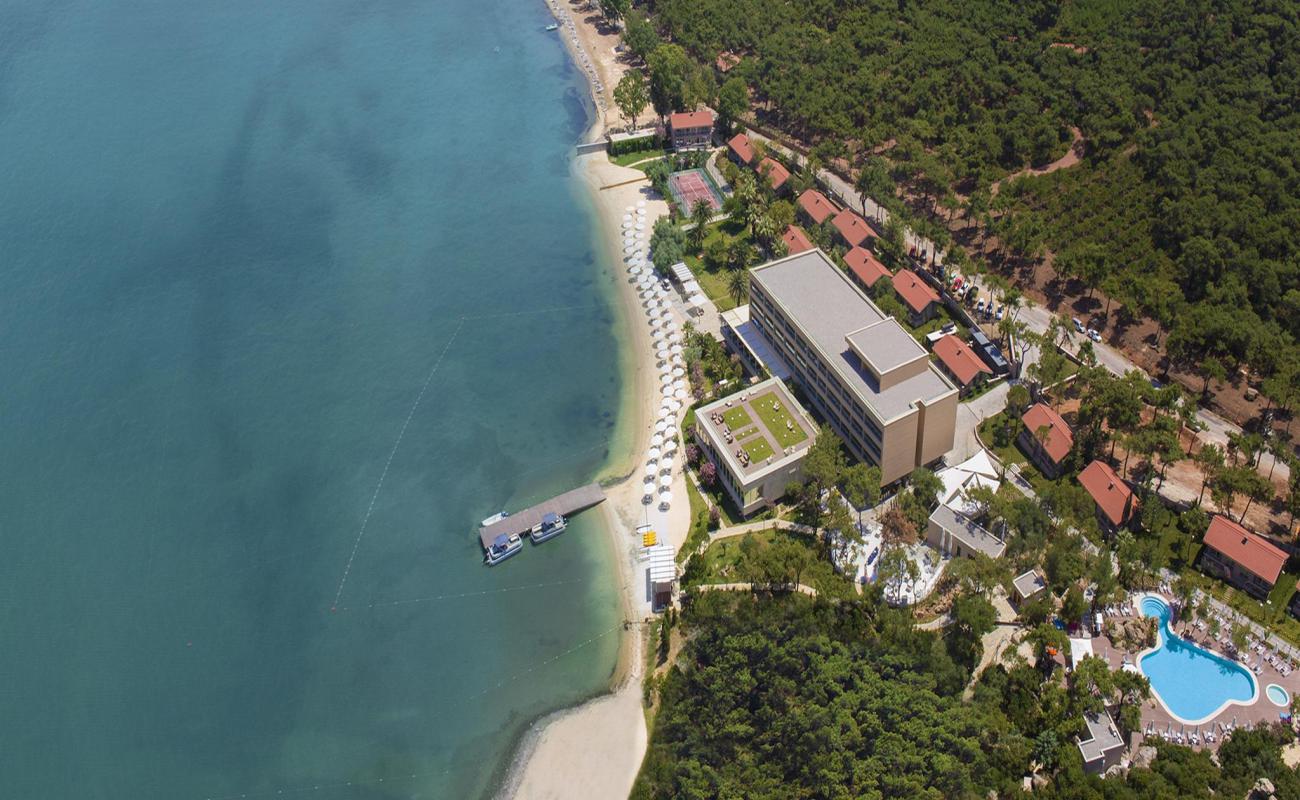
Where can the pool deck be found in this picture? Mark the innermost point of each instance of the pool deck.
(1262, 710)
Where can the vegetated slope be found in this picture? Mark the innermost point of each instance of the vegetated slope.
(785, 697)
(1187, 208)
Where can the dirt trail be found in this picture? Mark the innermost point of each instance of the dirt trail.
(1072, 156)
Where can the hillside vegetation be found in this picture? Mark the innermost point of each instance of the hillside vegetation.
(1186, 207)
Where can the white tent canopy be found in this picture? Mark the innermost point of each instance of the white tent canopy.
(683, 274)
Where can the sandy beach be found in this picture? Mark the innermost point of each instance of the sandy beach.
(595, 750)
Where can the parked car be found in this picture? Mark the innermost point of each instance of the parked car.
(979, 307)
(1093, 335)
(1078, 326)
(956, 284)
(1002, 309)
(871, 559)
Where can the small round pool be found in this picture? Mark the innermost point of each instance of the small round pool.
(1278, 695)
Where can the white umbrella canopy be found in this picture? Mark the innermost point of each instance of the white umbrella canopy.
(664, 370)
(660, 426)
(666, 497)
(666, 481)
(675, 349)
(677, 359)
(670, 445)
(680, 394)
(656, 440)
(654, 454)
(641, 234)
(676, 404)
(678, 371)
(662, 354)
(634, 269)
(628, 248)
(675, 337)
(649, 483)
(667, 463)
(628, 216)
(651, 468)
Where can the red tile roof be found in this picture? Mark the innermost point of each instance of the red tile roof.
(816, 206)
(1253, 552)
(862, 262)
(691, 119)
(915, 292)
(853, 228)
(773, 169)
(960, 359)
(1111, 494)
(796, 241)
(1059, 438)
(740, 145)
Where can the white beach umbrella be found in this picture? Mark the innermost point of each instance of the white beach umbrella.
(666, 481)
(679, 384)
(649, 483)
(640, 226)
(628, 249)
(678, 372)
(670, 445)
(641, 234)
(675, 337)
(628, 216)
(667, 463)
(675, 349)
(640, 212)
(634, 269)
(660, 427)
(666, 497)
(657, 440)
(653, 454)
(663, 355)
(677, 359)
(676, 404)
(680, 394)
(629, 242)
(651, 467)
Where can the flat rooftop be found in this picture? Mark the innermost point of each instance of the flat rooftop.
(885, 346)
(1102, 736)
(759, 429)
(968, 532)
(826, 306)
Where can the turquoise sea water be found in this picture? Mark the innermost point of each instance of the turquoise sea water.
(238, 238)
(1193, 683)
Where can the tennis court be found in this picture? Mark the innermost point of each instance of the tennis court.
(690, 187)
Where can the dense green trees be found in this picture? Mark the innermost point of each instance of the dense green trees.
(1186, 207)
(787, 697)
(631, 95)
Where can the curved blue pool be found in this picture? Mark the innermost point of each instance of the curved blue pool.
(1193, 683)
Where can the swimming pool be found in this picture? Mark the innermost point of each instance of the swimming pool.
(1278, 695)
(1192, 683)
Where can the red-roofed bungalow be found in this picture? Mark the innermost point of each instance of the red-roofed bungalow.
(691, 130)
(1244, 559)
(740, 149)
(917, 295)
(852, 228)
(796, 241)
(960, 362)
(865, 268)
(1115, 501)
(775, 172)
(815, 206)
(1050, 447)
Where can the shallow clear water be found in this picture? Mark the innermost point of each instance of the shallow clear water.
(1278, 695)
(1192, 682)
(239, 237)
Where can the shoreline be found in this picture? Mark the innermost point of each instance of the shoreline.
(595, 749)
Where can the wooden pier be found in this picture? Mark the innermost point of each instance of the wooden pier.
(570, 502)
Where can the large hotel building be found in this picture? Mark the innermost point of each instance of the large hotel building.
(859, 369)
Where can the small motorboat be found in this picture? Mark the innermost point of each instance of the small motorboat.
(495, 518)
(553, 27)
(552, 525)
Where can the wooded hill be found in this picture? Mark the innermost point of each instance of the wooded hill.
(1186, 207)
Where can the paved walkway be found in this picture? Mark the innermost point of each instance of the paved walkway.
(750, 587)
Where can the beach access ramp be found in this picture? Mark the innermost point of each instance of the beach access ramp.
(571, 502)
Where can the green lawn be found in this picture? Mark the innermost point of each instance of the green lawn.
(780, 423)
(941, 318)
(714, 281)
(628, 159)
(734, 561)
(737, 418)
(1008, 453)
(757, 448)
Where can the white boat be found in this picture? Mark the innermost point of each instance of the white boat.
(552, 525)
(506, 545)
(495, 518)
(552, 27)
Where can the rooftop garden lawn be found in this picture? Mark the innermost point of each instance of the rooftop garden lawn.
(757, 448)
(737, 418)
(738, 559)
(776, 419)
(750, 431)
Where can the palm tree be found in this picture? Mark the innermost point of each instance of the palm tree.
(738, 285)
(700, 215)
(764, 229)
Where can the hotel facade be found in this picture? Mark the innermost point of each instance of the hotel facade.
(858, 368)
